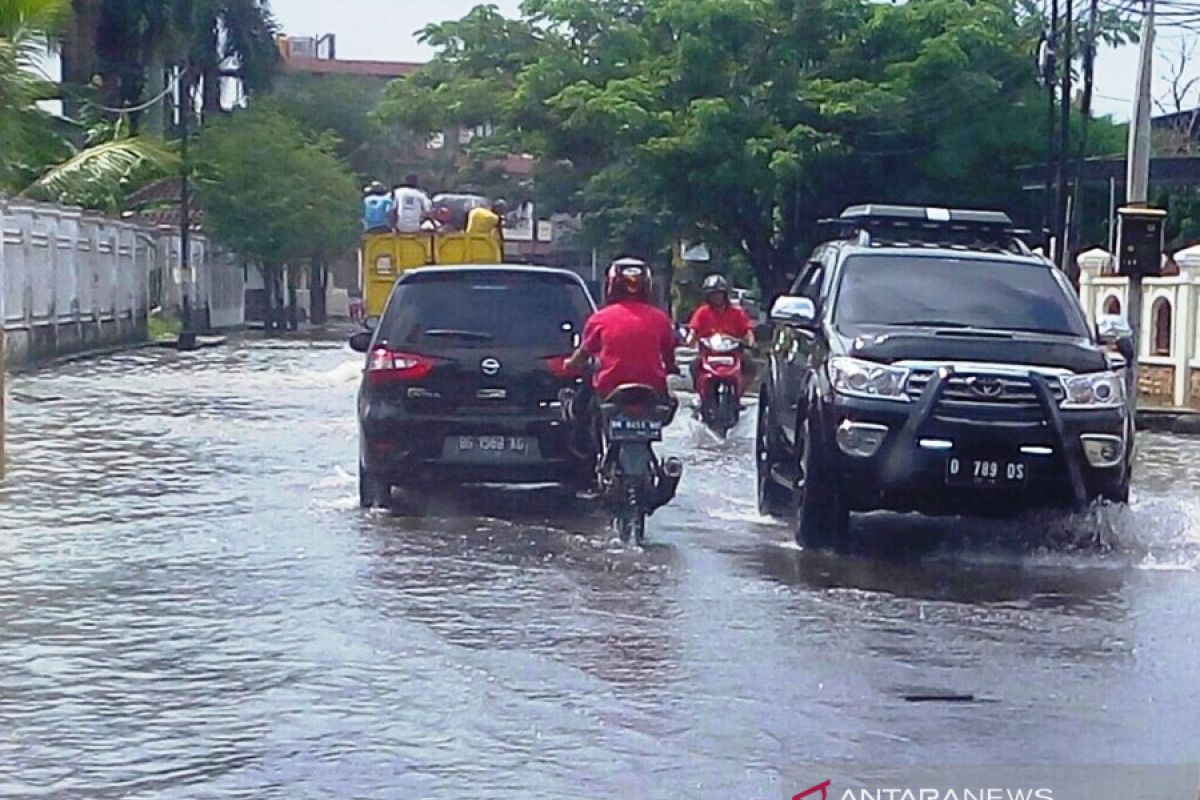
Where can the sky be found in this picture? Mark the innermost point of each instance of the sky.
(383, 30)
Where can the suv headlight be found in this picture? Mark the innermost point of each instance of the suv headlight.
(1094, 390)
(856, 378)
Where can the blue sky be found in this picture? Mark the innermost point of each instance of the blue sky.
(382, 29)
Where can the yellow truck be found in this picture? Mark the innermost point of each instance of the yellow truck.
(384, 257)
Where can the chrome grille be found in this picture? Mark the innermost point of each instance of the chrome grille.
(983, 389)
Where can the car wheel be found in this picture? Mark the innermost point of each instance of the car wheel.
(372, 492)
(823, 519)
(774, 500)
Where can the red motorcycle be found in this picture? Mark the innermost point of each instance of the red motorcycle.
(720, 382)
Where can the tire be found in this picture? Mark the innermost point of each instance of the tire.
(823, 520)
(726, 410)
(372, 492)
(773, 500)
(637, 524)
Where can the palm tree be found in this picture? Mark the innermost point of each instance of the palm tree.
(36, 155)
(25, 27)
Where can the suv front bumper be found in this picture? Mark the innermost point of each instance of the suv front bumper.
(1058, 450)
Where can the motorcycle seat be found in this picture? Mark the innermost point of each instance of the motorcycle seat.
(635, 394)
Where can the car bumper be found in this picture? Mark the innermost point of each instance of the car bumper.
(909, 470)
(411, 451)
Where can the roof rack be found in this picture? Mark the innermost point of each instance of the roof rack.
(878, 225)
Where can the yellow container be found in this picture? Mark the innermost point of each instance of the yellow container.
(387, 256)
(467, 248)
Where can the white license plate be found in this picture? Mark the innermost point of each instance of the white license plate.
(966, 471)
(493, 444)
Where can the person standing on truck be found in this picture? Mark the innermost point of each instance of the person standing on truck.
(489, 222)
(412, 206)
(378, 206)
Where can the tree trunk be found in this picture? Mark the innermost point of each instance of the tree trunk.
(212, 93)
(79, 62)
(318, 283)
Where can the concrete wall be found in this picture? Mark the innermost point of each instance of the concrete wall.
(72, 281)
(1169, 346)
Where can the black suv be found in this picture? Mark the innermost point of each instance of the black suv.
(927, 361)
(462, 380)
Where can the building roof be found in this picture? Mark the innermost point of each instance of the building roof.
(329, 66)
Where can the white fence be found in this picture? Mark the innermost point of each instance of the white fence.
(72, 281)
(1169, 346)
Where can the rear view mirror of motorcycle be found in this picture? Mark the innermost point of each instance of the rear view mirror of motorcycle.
(800, 312)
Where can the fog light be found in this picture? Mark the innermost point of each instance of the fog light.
(1102, 450)
(860, 439)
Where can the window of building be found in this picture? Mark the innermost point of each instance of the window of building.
(1112, 306)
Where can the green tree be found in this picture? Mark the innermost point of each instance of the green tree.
(273, 195)
(744, 122)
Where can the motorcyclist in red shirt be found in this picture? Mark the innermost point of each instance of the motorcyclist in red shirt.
(719, 315)
(631, 339)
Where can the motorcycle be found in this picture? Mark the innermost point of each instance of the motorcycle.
(633, 481)
(719, 382)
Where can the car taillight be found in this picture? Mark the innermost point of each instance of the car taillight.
(389, 365)
(558, 365)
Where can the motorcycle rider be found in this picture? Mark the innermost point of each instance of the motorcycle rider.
(718, 315)
(632, 340)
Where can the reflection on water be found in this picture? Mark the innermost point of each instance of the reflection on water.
(193, 606)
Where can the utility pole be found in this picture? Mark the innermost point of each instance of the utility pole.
(1137, 177)
(1050, 76)
(187, 337)
(1064, 142)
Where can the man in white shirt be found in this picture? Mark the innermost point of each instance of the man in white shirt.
(412, 206)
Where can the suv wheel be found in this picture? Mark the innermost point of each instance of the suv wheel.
(774, 500)
(823, 518)
(372, 492)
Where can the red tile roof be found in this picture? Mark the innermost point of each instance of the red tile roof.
(326, 66)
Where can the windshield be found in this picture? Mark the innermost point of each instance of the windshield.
(955, 293)
(466, 310)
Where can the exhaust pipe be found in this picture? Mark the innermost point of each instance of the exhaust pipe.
(667, 484)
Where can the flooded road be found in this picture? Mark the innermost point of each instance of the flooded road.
(193, 606)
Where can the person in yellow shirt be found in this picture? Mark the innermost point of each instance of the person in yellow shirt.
(484, 220)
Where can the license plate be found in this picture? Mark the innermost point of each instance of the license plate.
(969, 471)
(491, 446)
(624, 429)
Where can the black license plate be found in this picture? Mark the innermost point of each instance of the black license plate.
(976, 471)
(624, 429)
(486, 446)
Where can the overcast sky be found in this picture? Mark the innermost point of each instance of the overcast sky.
(383, 29)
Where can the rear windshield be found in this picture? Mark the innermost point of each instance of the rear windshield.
(956, 293)
(497, 309)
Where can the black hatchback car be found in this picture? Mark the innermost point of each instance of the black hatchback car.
(925, 360)
(462, 380)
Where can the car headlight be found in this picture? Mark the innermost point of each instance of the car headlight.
(856, 378)
(1094, 390)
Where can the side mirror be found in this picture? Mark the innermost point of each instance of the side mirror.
(361, 341)
(797, 311)
(1114, 331)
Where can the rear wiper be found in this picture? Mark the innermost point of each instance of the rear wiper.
(450, 333)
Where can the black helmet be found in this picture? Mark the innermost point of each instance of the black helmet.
(714, 284)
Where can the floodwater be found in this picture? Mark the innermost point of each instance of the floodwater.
(193, 606)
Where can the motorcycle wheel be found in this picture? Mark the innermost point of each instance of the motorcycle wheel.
(727, 410)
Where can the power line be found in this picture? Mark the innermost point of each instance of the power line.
(142, 107)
